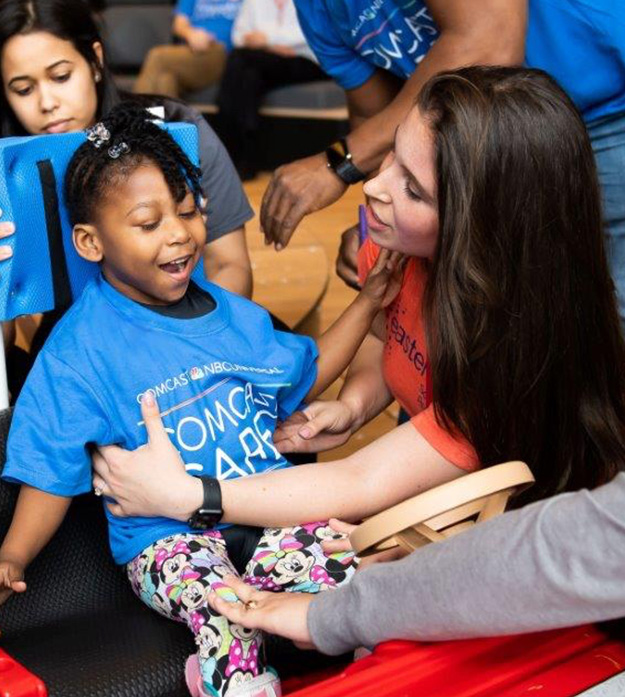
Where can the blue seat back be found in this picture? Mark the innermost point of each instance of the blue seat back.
(45, 271)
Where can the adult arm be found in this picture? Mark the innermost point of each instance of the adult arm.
(181, 27)
(243, 24)
(227, 263)
(529, 570)
(478, 32)
(196, 38)
(152, 481)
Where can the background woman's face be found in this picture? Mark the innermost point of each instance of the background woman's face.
(48, 84)
(402, 214)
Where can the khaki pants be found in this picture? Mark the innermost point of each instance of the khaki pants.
(174, 70)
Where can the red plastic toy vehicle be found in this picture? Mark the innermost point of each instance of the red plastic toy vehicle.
(560, 663)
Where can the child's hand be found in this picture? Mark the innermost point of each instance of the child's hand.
(384, 280)
(343, 544)
(321, 426)
(11, 579)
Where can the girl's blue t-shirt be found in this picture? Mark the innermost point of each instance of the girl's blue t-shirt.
(580, 42)
(222, 381)
(215, 16)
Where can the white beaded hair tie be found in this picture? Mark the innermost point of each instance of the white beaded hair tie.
(116, 150)
(98, 135)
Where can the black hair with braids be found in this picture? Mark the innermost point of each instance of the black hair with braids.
(133, 139)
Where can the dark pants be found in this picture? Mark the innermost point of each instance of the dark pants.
(248, 76)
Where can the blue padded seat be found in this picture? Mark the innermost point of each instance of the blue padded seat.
(32, 169)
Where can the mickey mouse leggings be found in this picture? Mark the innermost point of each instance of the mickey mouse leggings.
(175, 575)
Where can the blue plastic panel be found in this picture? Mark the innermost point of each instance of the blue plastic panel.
(26, 279)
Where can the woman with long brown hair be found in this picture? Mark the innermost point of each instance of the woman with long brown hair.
(503, 342)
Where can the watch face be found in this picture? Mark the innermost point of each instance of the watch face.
(204, 519)
(334, 158)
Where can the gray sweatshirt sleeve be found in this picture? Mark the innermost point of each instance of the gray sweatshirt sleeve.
(556, 563)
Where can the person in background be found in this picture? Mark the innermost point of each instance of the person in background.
(204, 28)
(269, 51)
(381, 53)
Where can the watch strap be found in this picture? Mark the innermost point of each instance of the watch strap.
(340, 162)
(211, 511)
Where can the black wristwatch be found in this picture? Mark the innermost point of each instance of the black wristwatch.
(210, 512)
(340, 162)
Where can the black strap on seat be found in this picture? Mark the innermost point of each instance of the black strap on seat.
(58, 262)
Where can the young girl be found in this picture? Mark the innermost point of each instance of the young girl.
(503, 342)
(222, 374)
(55, 79)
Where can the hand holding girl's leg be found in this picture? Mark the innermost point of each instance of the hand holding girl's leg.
(175, 576)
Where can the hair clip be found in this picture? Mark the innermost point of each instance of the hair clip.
(98, 134)
(116, 150)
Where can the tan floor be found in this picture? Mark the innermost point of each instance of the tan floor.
(326, 227)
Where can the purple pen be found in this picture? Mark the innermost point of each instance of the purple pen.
(362, 225)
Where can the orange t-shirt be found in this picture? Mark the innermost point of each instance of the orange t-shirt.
(405, 362)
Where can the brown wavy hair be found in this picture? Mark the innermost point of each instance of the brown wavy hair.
(525, 344)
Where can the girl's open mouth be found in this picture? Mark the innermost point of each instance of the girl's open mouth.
(177, 267)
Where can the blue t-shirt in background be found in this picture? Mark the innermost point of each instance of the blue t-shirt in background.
(580, 42)
(222, 381)
(215, 16)
(352, 37)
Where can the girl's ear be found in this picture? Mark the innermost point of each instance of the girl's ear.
(87, 242)
(99, 54)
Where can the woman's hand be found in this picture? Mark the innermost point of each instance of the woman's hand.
(321, 426)
(150, 481)
(277, 613)
(7, 228)
(11, 579)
